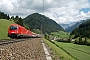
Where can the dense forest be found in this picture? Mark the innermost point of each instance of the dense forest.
(16, 19)
(83, 33)
(38, 21)
(83, 30)
(4, 16)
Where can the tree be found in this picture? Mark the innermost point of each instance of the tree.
(80, 40)
(8, 17)
(69, 40)
(5, 16)
(2, 15)
(75, 42)
(12, 17)
(85, 41)
(26, 26)
(16, 19)
(20, 21)
(47, 36)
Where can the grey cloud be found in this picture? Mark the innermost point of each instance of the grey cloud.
(62, 8)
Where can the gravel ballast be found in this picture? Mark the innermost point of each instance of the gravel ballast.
(25, 50)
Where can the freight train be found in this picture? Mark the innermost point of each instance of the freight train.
(17, 31)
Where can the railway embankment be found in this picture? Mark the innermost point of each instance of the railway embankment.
(23, 50)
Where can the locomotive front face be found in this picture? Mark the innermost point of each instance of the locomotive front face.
(13, 31)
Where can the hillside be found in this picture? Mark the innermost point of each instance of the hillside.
(83, 30)
(75, 25)
(61, 34)
(4, 28)
(35, 21)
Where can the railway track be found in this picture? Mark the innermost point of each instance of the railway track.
(22, 49)
(4, 42)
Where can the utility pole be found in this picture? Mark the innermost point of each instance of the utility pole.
(41, 31)
(43, 6)
(43, 14)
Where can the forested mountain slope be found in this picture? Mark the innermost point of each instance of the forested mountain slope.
(38, 21)
(76, 25)
(83, 30)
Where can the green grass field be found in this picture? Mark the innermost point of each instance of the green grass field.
(4, 28)
(58, 52)
(61, 34)
(81, 52)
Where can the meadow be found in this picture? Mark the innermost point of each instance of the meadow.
(58, 53)
(80, 52)
(4, 28)
(61, 34)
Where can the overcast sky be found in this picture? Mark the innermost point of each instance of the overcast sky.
(61, 11)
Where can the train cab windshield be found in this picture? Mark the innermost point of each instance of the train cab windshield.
(13, 27)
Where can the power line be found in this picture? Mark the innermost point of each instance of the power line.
(19, 1)
(3, 9)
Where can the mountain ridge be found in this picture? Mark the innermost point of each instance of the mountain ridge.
(73, 25)
(83, 30)
(65, 26)
(36, 20)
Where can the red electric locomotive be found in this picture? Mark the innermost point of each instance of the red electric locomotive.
(17, 31)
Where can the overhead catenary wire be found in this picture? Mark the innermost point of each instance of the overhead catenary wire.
(3, 9)
(19, 1)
